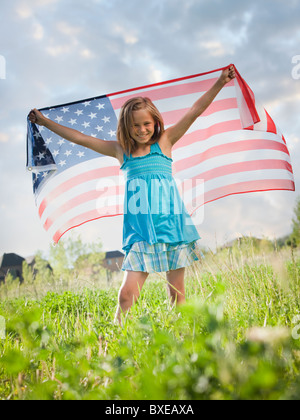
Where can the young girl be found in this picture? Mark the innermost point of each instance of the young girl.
(158, 235)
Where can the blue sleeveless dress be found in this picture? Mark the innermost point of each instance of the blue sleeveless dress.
(158, 233)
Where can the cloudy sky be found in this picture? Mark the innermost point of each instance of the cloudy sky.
(58, 51)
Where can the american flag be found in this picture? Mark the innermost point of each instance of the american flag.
(233, 147)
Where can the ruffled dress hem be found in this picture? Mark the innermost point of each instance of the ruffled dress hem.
(161, 257)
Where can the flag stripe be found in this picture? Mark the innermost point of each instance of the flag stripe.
(271, 126)
(84, 218)
(248, 97)
(239, 167)
(249, 186)
(230, 148)
(207, 133)
(74, 181)
(100, 207)
(166, 92)
(171, 117)
(203, 76)
(92, 195)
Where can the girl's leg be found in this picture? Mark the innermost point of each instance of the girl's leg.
(129, 291)
(175, 279)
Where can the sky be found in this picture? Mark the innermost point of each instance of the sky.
(58, 51)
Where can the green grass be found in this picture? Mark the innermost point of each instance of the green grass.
(231, 340)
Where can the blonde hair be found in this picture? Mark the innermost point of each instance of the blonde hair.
(126, 121)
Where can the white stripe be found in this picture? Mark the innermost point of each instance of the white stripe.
(247, 176)
(245, 114)
(205, 122)
(185, 101)
(99, 204)
(200, 78)
(217, 162)
(222, 139)
(100, 185)
(76, 170)
(263, 124)
(196, 194)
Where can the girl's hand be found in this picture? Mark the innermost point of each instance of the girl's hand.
(227, 75)
(36, 117)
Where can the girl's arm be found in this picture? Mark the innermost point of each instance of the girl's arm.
(174, 133)
(108, 148)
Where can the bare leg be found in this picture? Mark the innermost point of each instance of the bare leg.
(129, 291)
(175, 279)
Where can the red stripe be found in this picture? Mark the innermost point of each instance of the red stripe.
(249, 186)
(243, 188)
(206, 133)
(77, 180)
(271, 127)
(87, 217)
(168, 92)
(81, 199)
(238, 167)
(283, 139)
(248, 96)
(171, 117)
(180, 79)
(224, 149)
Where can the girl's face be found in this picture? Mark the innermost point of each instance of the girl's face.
(143, 126)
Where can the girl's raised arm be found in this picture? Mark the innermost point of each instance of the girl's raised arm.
(108, 148)
(174, 133)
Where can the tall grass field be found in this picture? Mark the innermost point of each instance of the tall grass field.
(236, 338)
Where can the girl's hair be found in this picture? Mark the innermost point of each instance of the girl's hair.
(126, 121)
